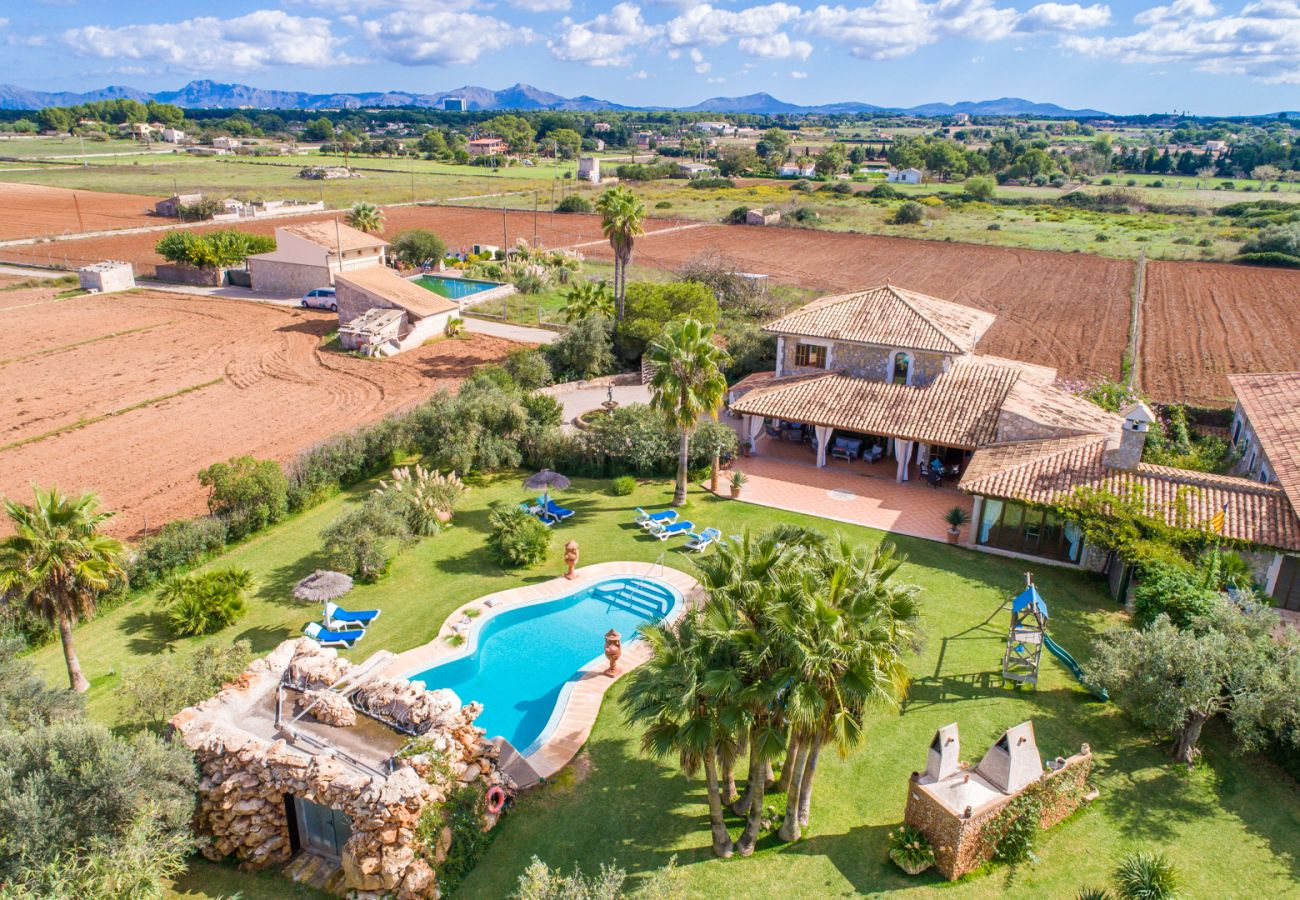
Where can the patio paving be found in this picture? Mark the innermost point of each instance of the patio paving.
(785, 476)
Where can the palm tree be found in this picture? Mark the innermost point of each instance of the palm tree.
(687, 383)
(58, 561)
(667, 694)
(584, 299)
(367, 217)
(621, 216)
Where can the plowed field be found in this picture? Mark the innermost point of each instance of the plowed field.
(1069, 311)
(31, 210)
(131, 394)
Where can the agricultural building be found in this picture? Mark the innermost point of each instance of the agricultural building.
(380, 312)
(107, 276)
(589, 169)
(904, 176)
(762, 217)
(171, 207)
(308, 255)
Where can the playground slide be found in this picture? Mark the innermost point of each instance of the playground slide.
(1075, 669)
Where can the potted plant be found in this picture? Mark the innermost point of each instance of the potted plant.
(956, 518)
(738, 480)
(910, 849)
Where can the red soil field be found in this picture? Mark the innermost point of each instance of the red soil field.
(1204, 321)
(211, 379)
(1066, 310)
(32, 210)
(458, 226)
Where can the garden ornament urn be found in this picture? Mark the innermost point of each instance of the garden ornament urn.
(571, 559)
(613, 650)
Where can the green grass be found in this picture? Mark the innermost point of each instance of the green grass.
(1230, 825)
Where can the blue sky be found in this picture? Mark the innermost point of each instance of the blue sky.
(1125, 57)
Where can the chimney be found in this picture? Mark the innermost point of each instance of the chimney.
(942, 758)
(1126, 453)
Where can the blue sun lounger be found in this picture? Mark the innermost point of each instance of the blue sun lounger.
(550, 509)
(337, 615)
(666, 531)
(703, 539)
(651, 519)
(327, 638)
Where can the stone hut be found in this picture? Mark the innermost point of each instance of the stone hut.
(954, 803)
(307, 753)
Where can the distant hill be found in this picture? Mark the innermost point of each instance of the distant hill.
(205, 94)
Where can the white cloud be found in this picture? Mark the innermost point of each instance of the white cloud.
(889, 29)
(1064, 17)
(705, 25)
(1262, 41)
(776, 46)
(606, 40)
(639, 75)
(265, 37)
(697, 57)
(539, 6)
(798, 74)
(440, 38)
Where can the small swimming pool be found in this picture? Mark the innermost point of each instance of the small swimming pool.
(454, 288)
(520, 662)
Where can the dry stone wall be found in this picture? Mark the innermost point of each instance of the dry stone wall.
(245, 778)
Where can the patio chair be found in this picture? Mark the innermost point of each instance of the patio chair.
(874, 454)
(647, 519)
(337, 615)
(846, 448)
(327, 638)
(550, 508)
(703, 539)
(664, 532)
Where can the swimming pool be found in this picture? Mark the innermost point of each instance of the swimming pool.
(521, 662)
(454, 288)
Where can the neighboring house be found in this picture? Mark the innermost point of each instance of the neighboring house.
(589, 169)
(140, 130)
(600, 127)
(171, 207)
(382, 313)
(173, 136)
(1216, 147)
(226, 143)
(961, 119)
(696, 170)
(899, 370)
(487, 146)
(716, 127)
(643, 138)
(804, 168)
(904, 176)
(308, 255)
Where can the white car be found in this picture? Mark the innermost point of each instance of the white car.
(321, 298)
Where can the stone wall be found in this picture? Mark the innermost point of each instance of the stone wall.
(962, 843)
(246, 777)
(867, 361)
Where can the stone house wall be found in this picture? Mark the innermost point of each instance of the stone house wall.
(962, 844)
(866, 361)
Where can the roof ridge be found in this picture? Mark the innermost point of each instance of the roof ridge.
(901, 294)
(1194, 476)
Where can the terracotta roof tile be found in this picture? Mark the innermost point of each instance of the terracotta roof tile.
(889, 316)
(958, 409)
(1047, 471)
(325, 235)
(1272, 403)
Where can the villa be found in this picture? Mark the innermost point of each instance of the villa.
(308, 255)
(890, 374)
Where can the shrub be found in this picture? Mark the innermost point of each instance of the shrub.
(531, 279)
(417, 247)
(348, 458)
(804, 214)
(802, 185)
(637, 439)
(1146, 876)
(648, 306)
(163, 687)
(455, 326)
(663, 204)
(737, 216)
(885, 192)
(751, 349)
(540, 882)
(586, 350)
(206, 601)
(574, 203)
(980, 187)
(529, 368)
(1179, 593)
(518, 538)
(25, 699)
(423, 498)
(211, 250)
(1012, 830)
(247, 493)
(358, 542)
(910, 213)
(709, 183)
(178, 545)
(622, 485)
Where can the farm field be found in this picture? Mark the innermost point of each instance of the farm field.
(28, 210)
(131, 394)
(1203, 321)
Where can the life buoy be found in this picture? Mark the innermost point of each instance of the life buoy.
(496, 799)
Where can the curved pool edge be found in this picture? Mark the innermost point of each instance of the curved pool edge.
(579, 704)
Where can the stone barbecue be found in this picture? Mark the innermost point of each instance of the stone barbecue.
(303, 737)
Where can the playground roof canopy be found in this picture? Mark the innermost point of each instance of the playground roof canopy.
(1029, 596)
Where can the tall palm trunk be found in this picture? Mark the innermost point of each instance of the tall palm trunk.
(722, 845)
(618, 282)
(683, 452)
(806, 782)
(727, 762)
(795, 763)
(755, 791)
(787, 768)
(76, 679)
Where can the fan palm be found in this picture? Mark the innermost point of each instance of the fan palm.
(622, 215)
(687, 383)
(367, 217)
(58, 561)
(584, 299)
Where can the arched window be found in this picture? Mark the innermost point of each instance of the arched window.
(902, 373)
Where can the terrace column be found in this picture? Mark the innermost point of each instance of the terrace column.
(904, 451)
(823, 439)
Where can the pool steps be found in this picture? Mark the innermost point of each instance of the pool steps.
(639, 596)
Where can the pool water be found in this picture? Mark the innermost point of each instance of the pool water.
(523, 660)
(454, 288)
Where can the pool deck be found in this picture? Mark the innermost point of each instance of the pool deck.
(583, 705)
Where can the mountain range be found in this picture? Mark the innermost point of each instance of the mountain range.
(206, 94)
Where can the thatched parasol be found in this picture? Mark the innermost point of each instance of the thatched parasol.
(546, 479)
(321, 586)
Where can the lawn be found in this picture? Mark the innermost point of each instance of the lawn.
(1230, 825)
